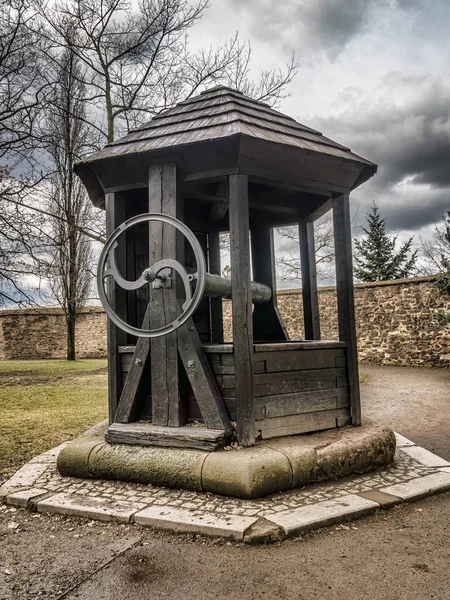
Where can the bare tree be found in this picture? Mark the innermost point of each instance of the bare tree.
(288, 260)
(273, 83)
(138, 62)
(24, 243)
(437, 250)
(436, 253)
(70, 267)
(23, 90)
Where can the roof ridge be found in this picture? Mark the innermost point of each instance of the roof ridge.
(216, 88)
(230, 91)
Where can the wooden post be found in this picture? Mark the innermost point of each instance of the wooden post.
(242, 307)
(115, 215)
(162, 191)
(268, 323)
(309, 280)
(345, 296)
(215, 303)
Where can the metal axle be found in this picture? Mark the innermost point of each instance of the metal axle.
(220, 287)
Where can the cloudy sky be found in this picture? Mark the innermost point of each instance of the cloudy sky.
(374, 75)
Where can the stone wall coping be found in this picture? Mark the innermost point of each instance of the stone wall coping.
(44, 310)
(329, 288)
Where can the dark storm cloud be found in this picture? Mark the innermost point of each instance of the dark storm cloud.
(404, 127)
(317, 26)
(409, 209)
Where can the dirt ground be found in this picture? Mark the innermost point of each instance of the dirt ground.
(414, 402)
(398, 554)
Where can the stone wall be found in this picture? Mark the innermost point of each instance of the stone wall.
(398, 323)
(40, 333)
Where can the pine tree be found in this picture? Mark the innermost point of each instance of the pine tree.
(376, 258)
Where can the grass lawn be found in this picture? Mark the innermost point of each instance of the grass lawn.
(45, 403)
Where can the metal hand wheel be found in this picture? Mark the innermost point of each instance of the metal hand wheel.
(156, 273)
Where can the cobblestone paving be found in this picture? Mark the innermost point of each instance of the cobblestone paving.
(404, 469)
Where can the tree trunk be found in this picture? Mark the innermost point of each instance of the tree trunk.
(109, 111)
(71, 320)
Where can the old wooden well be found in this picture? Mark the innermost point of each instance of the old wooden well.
(221, 162)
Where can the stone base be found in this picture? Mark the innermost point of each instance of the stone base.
(269, 467)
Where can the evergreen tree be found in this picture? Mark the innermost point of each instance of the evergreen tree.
(376, 258)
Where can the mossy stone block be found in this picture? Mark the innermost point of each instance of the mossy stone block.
(301, 455)
(169, 467)
(246, 473)
(336, 453)
(359, 450)
(73, 460)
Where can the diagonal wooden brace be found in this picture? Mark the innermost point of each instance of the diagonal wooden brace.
(201, 378)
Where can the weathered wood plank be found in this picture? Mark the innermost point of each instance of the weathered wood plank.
(300, 376)
(342, 381)
(268, 384)
(341, 361)
(229, 369)
(146, 434)
(128, 406)
(222, 370)
(201, 377)
(115, 215)
(288, 346)
(215, 303)
(345, 296)
(267, 321)
(301, 360)
(218, 348)
(309, 280)
(296, 424)
(294, 386)
(226, 360)
(163, 302)
(302, 402)
(242, 307)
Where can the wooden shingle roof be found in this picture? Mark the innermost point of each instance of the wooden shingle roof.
(217, 113)
(218, 130)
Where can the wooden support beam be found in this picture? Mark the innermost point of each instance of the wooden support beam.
(345, 296)
(309, 280)
(166, 408)
(242, 307)
(128, 406)
(201, 377)
(215, 304)
(268, 324)
(115, 215)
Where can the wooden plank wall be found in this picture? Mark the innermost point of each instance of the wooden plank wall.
(296, 391)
